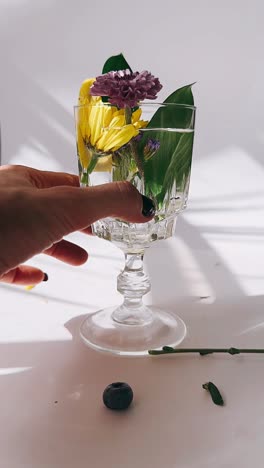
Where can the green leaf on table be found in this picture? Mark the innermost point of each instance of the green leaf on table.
(115, 63)
(214, 392)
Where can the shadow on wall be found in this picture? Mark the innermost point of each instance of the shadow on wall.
(35, 36)
(34, 122)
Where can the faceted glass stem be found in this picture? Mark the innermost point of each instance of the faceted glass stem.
(133, 283)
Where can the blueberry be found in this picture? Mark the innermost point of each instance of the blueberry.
(118, 396)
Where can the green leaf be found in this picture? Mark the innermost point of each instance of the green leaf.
(171, 117)
(180, 164)
(171, 164)
(176, 118)
(233, 351)
(92, 164)
(115, 63)
(182, 95)
(214, 392)
(168, 349)
(156, 168)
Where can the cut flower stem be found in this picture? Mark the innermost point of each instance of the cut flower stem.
(205, 351)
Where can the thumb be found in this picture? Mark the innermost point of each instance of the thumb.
(74, 208)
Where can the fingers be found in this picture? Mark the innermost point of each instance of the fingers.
(23, 275)
(23, 176)
(64, 250)
(35, 220)
(45, 179)
(68, 252)
(72, 209)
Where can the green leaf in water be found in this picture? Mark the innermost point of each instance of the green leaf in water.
(92, 164)
(168, 126)
(180, 164)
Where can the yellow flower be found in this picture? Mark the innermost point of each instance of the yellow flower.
(102, 128)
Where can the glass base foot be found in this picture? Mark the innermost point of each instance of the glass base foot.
(100, 331)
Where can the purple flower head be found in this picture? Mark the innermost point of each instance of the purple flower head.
(125, 88)
(151, 148)
(137, 138)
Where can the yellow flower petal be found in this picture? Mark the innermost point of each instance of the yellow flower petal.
(103, 127)
(118, 112)
(105, 138)
(104, 143)
(86, 101)
(117, 121)
(136, 115)
(83, 152)
(84, 93)
(96, 119)
(108, 115)
(120, 137)
(141, 124)
(135, 119)
(82, 120)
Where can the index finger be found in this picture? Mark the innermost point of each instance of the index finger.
(47, 179)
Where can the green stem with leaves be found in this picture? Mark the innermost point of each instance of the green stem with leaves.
(205, 351)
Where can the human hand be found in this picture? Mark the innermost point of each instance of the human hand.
(39, 208)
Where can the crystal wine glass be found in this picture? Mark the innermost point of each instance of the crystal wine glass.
(150, 146)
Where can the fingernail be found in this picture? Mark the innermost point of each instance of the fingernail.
(45, 277)
(148, 207)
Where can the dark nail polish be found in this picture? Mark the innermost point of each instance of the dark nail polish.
(45, 277)
(148, 207)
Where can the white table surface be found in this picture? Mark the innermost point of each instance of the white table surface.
(211, 274)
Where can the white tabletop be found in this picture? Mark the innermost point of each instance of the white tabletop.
(211, 274)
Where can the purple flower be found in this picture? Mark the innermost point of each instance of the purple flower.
(151, 148)
(125, 88)
(137, 138)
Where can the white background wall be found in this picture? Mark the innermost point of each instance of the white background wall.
(49, 46)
